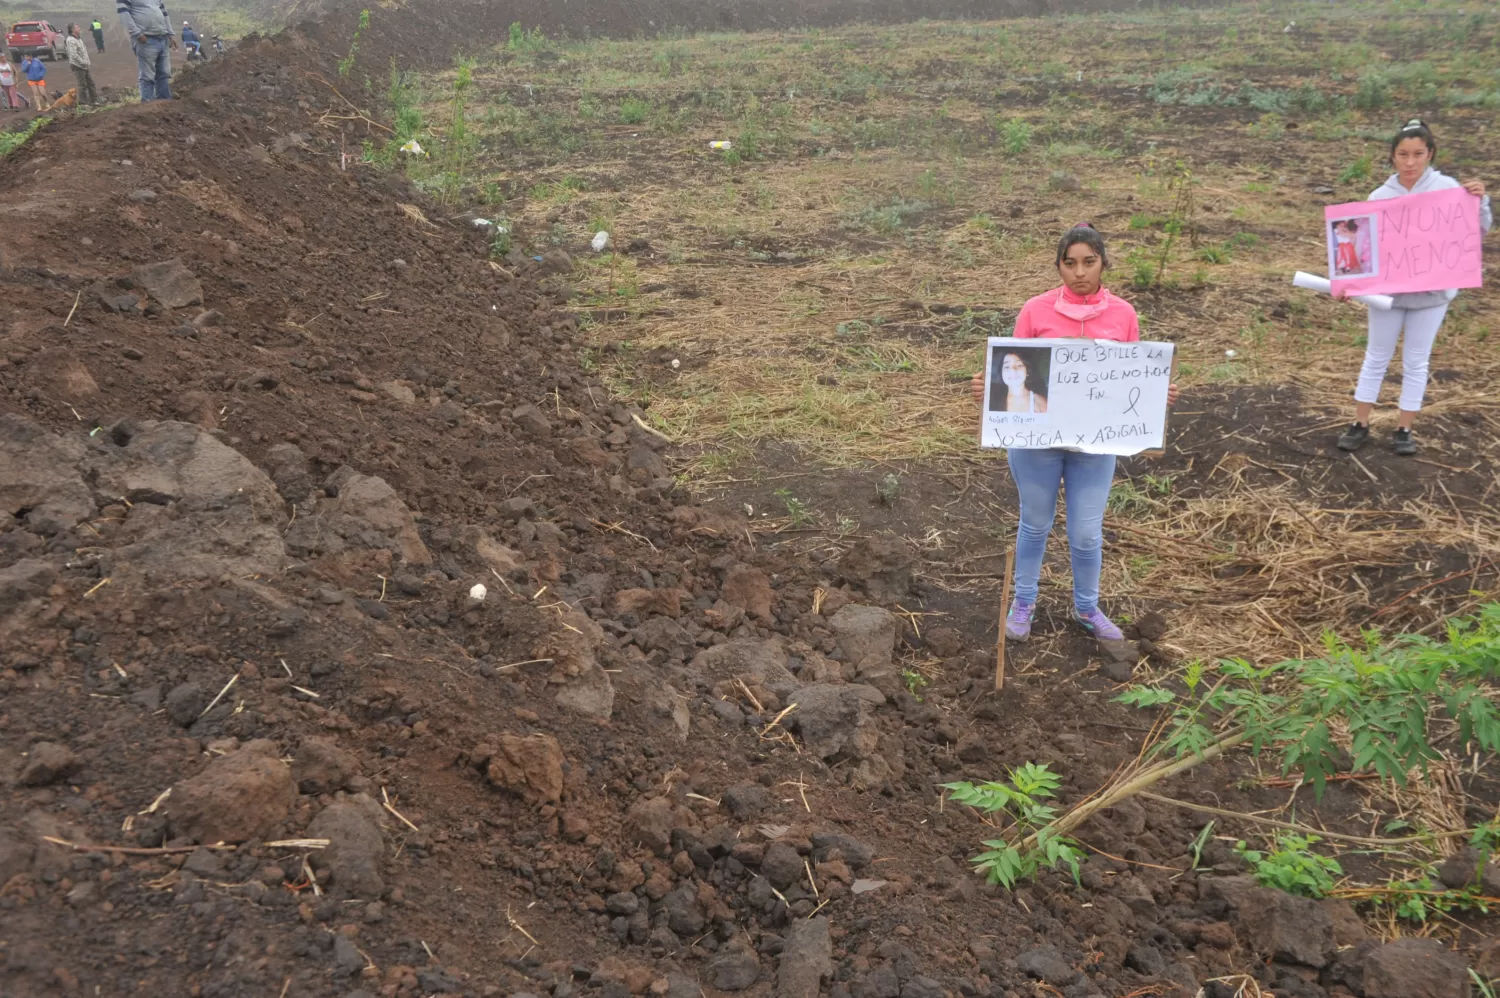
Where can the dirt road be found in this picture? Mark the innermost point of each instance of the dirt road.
(116, 65)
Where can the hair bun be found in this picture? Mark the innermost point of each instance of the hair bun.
(1414, 123)
(1084, 225)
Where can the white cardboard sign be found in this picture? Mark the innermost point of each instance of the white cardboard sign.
(1096, 396)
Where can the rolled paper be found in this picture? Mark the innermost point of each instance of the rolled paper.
(1323, 285)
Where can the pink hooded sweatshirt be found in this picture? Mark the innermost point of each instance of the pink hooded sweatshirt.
(1061, 314)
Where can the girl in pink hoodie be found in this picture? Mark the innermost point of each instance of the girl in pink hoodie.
(1081, 309)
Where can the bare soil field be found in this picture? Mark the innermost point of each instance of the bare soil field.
(400, 597)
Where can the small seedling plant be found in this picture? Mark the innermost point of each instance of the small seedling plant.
(1022, 801)
(1292, 866)
(346, 64)
(796, 509)
(1385, 695)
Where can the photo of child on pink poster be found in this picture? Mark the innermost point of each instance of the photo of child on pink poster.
(1351, 247)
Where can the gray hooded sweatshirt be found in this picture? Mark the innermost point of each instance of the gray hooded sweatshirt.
(1432, 180)
(144, 17)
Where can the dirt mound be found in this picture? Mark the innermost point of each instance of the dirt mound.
(268, 423)
(432, 33)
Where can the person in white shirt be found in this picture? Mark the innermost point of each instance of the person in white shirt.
(1418, 315)
(8, 92)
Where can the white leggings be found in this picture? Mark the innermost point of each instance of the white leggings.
(1421, 326)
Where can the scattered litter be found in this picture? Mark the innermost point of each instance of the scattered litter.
(601, 241)
(676, 363)
(478, 592)
(721, 144)
(414, 148)
(866, 886)
(1231, 354)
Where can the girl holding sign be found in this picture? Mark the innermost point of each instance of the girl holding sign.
(1081, 308)
(1416, 315)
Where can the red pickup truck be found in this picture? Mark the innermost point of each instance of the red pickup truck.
(35, 38)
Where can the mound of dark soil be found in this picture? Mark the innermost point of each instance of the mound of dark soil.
(268, 420)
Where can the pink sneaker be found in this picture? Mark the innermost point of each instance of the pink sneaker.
(1097, 624)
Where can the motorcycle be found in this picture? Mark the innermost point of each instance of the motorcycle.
(195, 52)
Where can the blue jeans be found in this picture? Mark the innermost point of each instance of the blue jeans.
(1038, 474)
(154, 61)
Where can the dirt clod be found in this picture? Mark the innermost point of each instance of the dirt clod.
(529, 765)
(239, 796)
(47, 763)
(1282, 927)
(882, 565)
(356, 844)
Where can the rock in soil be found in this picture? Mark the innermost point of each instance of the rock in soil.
(355, 846)
(244, 795)
(735, 970)
(882, 565)
(1046, 964)
(651, 823)
(806, 959)
(1469, 867)
(867, 637)
(749, 589)
(321, 767)
(47, 763)
(1282, 927)
(529, 765)
(781, 865)
(169, 283)
(1412, 968)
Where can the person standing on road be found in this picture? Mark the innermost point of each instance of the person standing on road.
(1081, 308)
(8, 93)
(149, 28)
(8, 82)
(1417, 316)
(98, 30)
(36, 80)
(78, 59)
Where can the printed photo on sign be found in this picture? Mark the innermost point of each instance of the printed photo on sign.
(1352, 246)
(1018, 384)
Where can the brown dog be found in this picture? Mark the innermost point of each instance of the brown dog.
(69, 99)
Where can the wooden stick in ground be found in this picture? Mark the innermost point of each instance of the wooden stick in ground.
(1010, 561)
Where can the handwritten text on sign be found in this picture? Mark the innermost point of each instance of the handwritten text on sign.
(1097, 396)
(1420, 242)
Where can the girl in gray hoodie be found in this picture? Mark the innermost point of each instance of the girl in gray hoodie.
(1417, 315)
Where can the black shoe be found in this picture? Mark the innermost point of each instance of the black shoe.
(1354, 437)
(1403, 443)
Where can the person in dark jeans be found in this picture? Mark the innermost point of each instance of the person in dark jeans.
(98, 29)
(149, 29)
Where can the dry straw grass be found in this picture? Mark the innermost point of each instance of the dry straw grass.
(814, 295)
(1265, 570)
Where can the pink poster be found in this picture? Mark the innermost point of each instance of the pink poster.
(1420, 242)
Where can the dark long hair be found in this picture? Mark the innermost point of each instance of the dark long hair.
(1083, 232)
(1038, 361)
(1416, 128)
